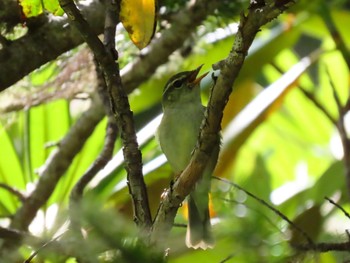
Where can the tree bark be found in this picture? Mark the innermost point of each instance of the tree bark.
(45, 40)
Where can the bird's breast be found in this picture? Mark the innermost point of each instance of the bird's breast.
(178, 133)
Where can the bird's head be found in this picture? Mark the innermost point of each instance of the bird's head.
(183, 88)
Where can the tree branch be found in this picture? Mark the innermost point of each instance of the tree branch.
(43, 43)
(335, 34)
(112, 128)
(122, 113)
(248, 28)
(13, 191)
(106, 154)
(339, 207)
(37, 243)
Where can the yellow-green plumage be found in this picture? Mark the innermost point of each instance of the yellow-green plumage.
(177, 135)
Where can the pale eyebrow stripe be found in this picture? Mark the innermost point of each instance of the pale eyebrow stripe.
(181, 78)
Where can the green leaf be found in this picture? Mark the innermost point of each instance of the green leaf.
(259, 182)
(53, 7)
(11, 173)
(310, 221)
(331, 181)
(48, 124)
(80, 163)
(44, 74)
(31, 8)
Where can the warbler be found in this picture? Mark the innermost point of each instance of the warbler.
(177, 134)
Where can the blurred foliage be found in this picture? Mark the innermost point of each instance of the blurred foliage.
(226, 11)
(289, 155)
(31, 8)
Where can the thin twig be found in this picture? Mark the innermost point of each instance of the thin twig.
(256, 211)
(227, 258)
(342, 132)
(334, 32)
(314, 100)
(338, 206)
(334, 92)
(56, 165)
(276, 211)
(310, 96)
(34, 242)
(11, 234)
(347, 105)
(13, 191)
(36, 252)
(100, 162)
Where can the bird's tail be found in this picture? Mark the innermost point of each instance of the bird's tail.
(199, 232)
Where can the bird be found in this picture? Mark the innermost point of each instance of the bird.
(177, 134)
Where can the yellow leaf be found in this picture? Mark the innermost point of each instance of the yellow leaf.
(139, 19)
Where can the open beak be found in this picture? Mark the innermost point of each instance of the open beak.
(193, 80)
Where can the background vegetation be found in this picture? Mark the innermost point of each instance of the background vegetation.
(285, 135)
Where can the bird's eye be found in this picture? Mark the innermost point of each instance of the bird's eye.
(177, 84)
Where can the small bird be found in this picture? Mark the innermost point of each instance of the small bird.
(178, 131)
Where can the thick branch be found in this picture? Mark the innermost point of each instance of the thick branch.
(53, 38)
(248, 28)
(323, 247)
(9, 13)
(42, 44)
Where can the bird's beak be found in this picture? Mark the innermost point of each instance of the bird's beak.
(193, 80)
